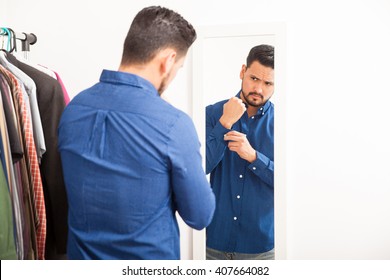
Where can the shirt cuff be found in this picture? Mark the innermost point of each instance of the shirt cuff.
(260, 163)
(219, 131)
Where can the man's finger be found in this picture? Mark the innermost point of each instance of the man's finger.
(233, 132)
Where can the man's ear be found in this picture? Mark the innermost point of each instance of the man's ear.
(242, 72)
(168, 59)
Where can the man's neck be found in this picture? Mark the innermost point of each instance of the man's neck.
(251, 111)
(144, 71)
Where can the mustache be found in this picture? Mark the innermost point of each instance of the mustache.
(254, 93)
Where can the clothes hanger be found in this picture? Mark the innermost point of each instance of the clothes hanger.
(5, 31)
(12, 40)
(2, 34)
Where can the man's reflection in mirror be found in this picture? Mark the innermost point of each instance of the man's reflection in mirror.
(240, 159)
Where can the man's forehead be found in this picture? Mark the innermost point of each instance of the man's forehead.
(261, 71)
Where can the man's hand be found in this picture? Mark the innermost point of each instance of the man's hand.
(239, 143)
(232, 112)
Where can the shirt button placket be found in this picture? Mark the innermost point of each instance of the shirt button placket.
(235, 218)
(262, 112)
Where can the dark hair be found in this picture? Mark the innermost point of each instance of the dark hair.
(264, 54)
(155, 28)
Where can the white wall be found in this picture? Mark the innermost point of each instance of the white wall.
(3, 10)
(338, 183)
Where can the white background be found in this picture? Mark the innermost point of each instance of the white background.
(337, 98)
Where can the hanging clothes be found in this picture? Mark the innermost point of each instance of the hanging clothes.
(21, 188)
(29, 88)
(13, 154)
(51, 104)
(32, 163)
(31, 180)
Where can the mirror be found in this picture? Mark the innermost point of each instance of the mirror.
(218, 55)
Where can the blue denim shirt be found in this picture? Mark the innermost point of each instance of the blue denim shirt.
(130, 161)
(244, 217)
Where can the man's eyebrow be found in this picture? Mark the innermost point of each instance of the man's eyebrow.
(266, 81)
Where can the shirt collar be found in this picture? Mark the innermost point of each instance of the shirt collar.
(263, 109)
(117, 77)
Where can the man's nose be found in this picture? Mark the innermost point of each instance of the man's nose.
(258, 88)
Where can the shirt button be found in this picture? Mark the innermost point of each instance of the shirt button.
(241, 176)
(261, 109)
(235, 218)
(238, 197)
(262, 114)
(252, 117)
(254, 167)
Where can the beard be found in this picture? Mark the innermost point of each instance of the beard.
(254, 103)
(162, 86)
(164, 83)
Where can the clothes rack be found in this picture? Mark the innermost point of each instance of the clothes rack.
(26, 40)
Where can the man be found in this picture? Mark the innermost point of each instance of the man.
(240, 158)
(130, 159)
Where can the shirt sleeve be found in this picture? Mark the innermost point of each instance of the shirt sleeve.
(193, 196)
(263, 167)
(215, 144)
